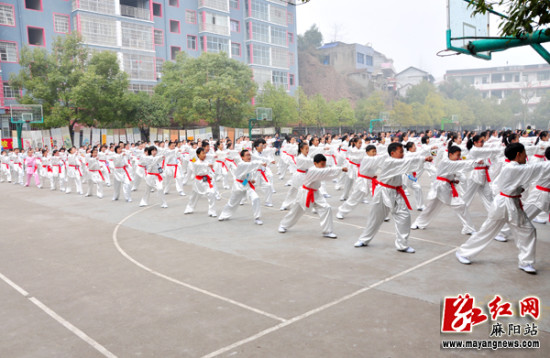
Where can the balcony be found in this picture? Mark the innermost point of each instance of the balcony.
(135, 12)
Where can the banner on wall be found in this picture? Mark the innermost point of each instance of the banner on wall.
(152, 134)
(182, 135)
(46, 138)
(76, 139)
(57, 137)
(174, 135)
(110, 136)
(86, 136)
(66, 137)
(7, 143)
(122, 135)
(104, 136)
(96, 136)
(14, 139)
(286, 130)
(137, 135)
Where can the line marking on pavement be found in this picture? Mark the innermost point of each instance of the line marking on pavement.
(324, 307)
(178, 282)
(59, 319)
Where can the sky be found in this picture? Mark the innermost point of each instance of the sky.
(410, 32)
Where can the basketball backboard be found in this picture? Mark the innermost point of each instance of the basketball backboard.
(264, 114)
(26, 113)
(462, 27)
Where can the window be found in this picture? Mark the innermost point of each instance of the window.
(136, 36)
(191, 42)
(174, 52)
(215, 44)
(159, 37)
(35, 36)
(278, 36)
(8, 51)
(99, 30)
(277, 15)
(289, 18)
(234, 4)
(360, 58)
(258, 10)
(235, 26)
(290, 38)
(61, 23)
(190, 16)
(175, 26)
(33, 5)
(235, 49)
(139, 67)
(279, 57)
(260, 54)
(9, 91)
(215, 23)
(7, 15)
(158, 66)
(157, 9)
(220, 5)
(368, 60)
(543, 76)
(175, 3)
(291, 80)
(260, 32)
(279, 78)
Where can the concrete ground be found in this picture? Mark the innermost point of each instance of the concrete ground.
(83, 277)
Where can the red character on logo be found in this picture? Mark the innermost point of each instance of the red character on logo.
(460, 315)
(530, 306)
(499, 310)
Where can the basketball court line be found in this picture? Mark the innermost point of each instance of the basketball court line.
(75, 330)
(323, 307)
(178, 282)
(284, 322)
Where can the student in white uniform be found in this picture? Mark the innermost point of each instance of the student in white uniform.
(261, 174)
(308, 196)
(412, 178)
(74, 171)
(443, 191)
(303, 163)
(244, 186)
(121, 174)
(365, 182)
(5, 169)
(508, 209)
(202, 184)
(95, 174)
(153, 176)
(389, 197)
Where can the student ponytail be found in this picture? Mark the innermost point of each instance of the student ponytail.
(472, 140)
(541, 134)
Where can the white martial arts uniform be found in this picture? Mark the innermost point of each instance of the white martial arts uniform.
(122, 177)
(389, 197)
(242, 187)
(303, 163)
(74, 172)
(507, 209)
(444, 192)
(308, 196)
(95, 176)
(262, 180)
(153, 178)
(202, 186)
(479, 180)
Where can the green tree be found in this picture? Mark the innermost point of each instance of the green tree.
(342, 113)
(318, 112)
(523, 16)
(212, 87)
(50, 78)
(419, 92)
(311, 39)
(145, 111)
(100, 93)
(369, 108)
(511, 111)
(283, 105)
(402, 114)
(541, 114)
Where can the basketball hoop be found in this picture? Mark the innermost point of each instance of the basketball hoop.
(447, 53)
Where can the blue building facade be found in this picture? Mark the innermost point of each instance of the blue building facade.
(146, 33)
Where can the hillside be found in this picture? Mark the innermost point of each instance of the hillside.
(318, 78)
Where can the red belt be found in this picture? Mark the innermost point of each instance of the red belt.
(59, 166)
(223, 164)
(507, 160)
(159, 177)
(539, 156)
(301, 171)
(76, 167)
(414, 174)
(7, 165)
(334, 158)
(46, 166)
(514, 197)
(100, 173)
(546, 190)
(232, 161)
(453, 188)
(127, 174)
(293, 157)
(399, 190)
(175, 170)
(201, 177)
(357, 165)
(104, 161)
(310, 195)
(249, 183)
(373, 179)
(486, 172)
(263, 174)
